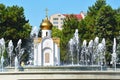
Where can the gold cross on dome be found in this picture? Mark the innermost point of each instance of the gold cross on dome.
(46, 10)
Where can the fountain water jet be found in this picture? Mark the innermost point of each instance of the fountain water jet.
(2, 49)
(91, 54)
(100, 55)
(74, 48)
(19, 51)
(95, 46)
(114, 54)
(83, 56)
(2, 61)
(71, 43)
(10, 50)
(16, 64)
(90, 51)
(76, 38)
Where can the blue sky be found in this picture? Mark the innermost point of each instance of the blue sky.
(35, 9)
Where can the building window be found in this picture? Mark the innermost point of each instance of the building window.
(47, 58)
(55, 18)
(55, 22)
(62, 19)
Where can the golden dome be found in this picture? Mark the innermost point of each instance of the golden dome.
(46, 24)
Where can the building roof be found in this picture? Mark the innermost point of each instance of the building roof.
(46, 24)
(78, 16)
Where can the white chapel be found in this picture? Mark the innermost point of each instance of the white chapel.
(46, 47)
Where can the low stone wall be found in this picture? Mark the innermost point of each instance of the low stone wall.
(60, 75)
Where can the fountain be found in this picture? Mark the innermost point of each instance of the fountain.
(87, 57)
(71, 43)
(95, 54)
(2, 49)
(100, 55)
(76, 38)
(19, 51)
(74, 48)
(91, 54)
(90, 51)
(114, 54)
(84, 56)
(10, 51)
(2, 61)
(90, 57)
(16, 58)
(16, 64)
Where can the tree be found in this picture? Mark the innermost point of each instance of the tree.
(106, 27)
(85, 32)
(87, 26)
(56, 32)
(93, 11)
(13, 25)
(117, 17)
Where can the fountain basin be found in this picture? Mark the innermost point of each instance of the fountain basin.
(60, 68)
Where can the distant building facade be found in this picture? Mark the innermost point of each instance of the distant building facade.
(57, 19)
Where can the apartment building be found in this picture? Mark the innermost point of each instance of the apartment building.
(57, 19)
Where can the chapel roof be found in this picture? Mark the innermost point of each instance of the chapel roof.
(46, 24)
